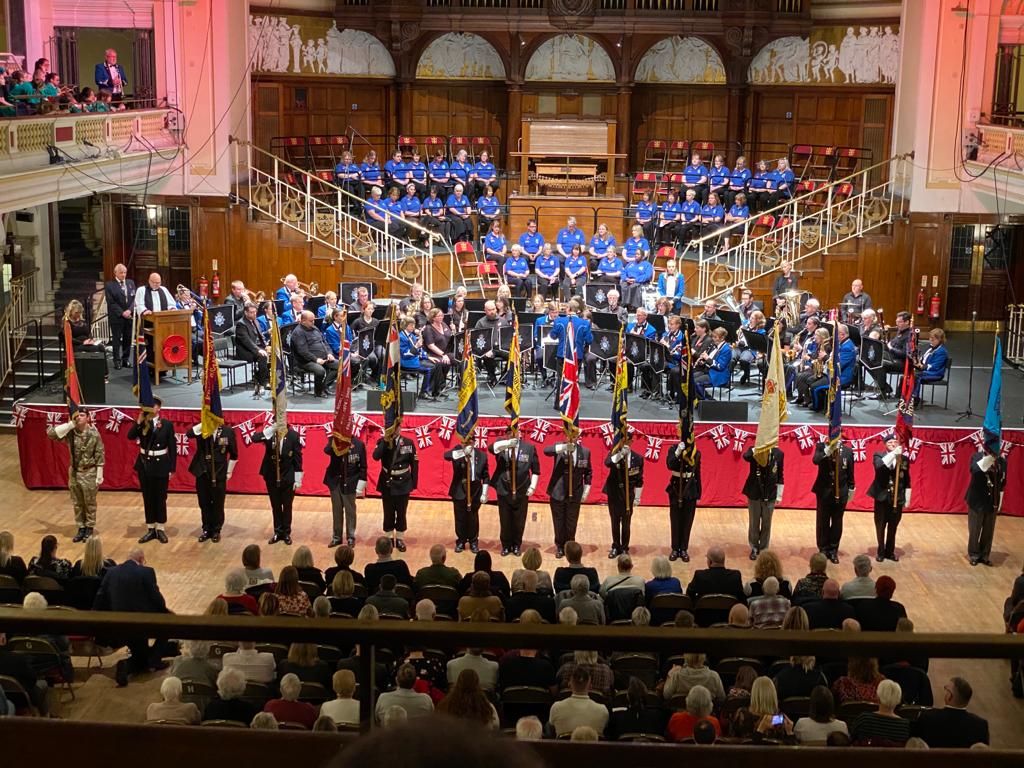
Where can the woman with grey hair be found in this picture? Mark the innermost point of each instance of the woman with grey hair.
(193, 663)
(288, 708)
(172, 708)
(663, 581)
(882, 728)
(264, 721)
(322, 607)
(303, 562)
(227, 704)
(235, 582)
(698, 707)
(694, 672)
(769, 610)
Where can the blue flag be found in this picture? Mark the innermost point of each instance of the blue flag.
(469, 410)
(143, 386)
(993, 426)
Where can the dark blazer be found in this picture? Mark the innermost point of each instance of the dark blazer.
(690, 475)
(615, 484)
(117, 302)
(563, 576)
(249, 340)
(829, 614)
(345, 471)
(882, 486)
(952, 728)
(130, 587)
(290, 457)
(716, 581)
(457, 487)
(876, 615)
(218, 449)
(527, 464)
(102, 76)
(399, 467)
(157, 439)
(524, 601)
(985, 487)
(824, 483)
(582, 472)
(762, 482)
(374, 572)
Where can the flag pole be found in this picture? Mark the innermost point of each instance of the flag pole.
(684, 393)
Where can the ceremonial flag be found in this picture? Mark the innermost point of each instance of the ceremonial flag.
(993, 426)
(835, 390)
(213, 412)
(469, 407)
(143, 387)
(569, 397)
(773, 404)
(687, 400)
(278, 378)
(620, 399)
(341, 432)
(72, 389)
(513, 379)
(905, 411)
(391, 397)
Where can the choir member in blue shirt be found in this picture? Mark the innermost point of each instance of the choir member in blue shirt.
(531, 241)
(483, 175)
(517, 272)
(783, 177)
(488, 209)
(695, 177)
(438, 174)
(603, 242)
(459, 210)
(718, 176)
(738, 212)
(548, 270)
(738, 180)
(346, 174)
(393, 205)
(689, 213)
(712, 216)
(760, 186)
(634, 277)
(412, 210)
(394, 170)
(569, 236)
(645, 214)
(574, 273)
(636, 247)
(369, 171)
(460, 169)
(609, 267)
(376, 213)
(668, 221)
(672, 284)
(432, 213)
(416, 172)
(496, 246)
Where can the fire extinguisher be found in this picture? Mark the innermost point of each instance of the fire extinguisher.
(203, 284)
(215, 287)
(920, 294)
(934, 307)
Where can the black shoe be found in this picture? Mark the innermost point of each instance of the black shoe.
(613, 553)
(204, 536)
(161, 537)
(834, 557)
(684, 556)
(80, 536)
(893, 556)
(974, 561)
(673, 555)
(121, 673)
(399, 545)
(459, 547)
(505, 551)
(117, 365)
(753, 554)
(274, 539)
(335, 542)
(745, 378)
(150, 535)
(215, 537)
(986, 561)
(559, 553)
(515, 550)
(89, 533)
(879, 558)
(474, 546)
(287, 540)
(351, 541)
(625, 550)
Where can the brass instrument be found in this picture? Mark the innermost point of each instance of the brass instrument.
(307, 289)
(792, 304)
(255, 297)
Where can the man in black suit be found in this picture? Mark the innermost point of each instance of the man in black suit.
(282, 471)
(251, 344)
(829, 612)
(157, 459)
(345, 478)
(311, 354)
(468, 463)
(763, 489)
(120, 295)
(891, 491)
(131, 587)
(529, 599)
(831, 497)
(623, 487)
(212, 464)
(563, 575)
(716, 579)
(984, 497)
(952, 727)
(571, 467)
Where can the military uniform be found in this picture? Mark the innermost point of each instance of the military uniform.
(983, 496)
(684, 490)
(399, 475)
(467, 511)
(213, 460)
(763, 490)
(565, 507)
(620, 504)
(889, 507)
(157, 459)
(84, 473)
(282, 472)
(512, 507)
(830, 509)
(346, 479)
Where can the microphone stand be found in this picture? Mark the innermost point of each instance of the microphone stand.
(968, 413)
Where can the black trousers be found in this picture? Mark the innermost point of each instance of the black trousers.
(512, 518)
(565, 515)
(121, 337)
(828, 526)
(680, 516)
(395, 508)
(323, 375)
(154, 497)
(211, 503)
(261, 369)
(467, 519)
(621, 514)
(887, 520)
(281, 498)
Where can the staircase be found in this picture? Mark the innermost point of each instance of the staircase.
(81, 272)
(29, 348)
(820, 217)
(316, 207)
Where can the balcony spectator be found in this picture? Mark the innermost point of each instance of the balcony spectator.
(110, 76)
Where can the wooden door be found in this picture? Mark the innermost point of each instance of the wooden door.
(981, 260)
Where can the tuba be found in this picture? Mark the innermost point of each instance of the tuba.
(727, 299)
(307, 289)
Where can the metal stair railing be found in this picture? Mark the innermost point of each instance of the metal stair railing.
(14, 325)
(319, 209)
(812, 223)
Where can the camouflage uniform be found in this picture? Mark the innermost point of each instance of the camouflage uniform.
(86, 457)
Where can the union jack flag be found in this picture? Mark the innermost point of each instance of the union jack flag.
(569, 397)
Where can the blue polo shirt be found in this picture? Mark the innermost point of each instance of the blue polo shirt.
(645, 211)
(439, 172)
(485, 171)
(567, 238)
(634, 246)
(690, 210)
(488, 206)
(418, 171)
(573, 264)
(369, 172)
(332, 335)
(411, 204)
(547, 266)
(762, 180)
(738, 178)
(433, 205)
(693, 173)
(517, 264)
(601, 247)
(638, 271)
(785, 177)
(718, 176)
(582, 334)
(610, 265)
(395, 170)
(377, 206)
(495, 242)
(740, 211)
(711, 213)
(460, 171)
(346, 170)
(531, 244)
(394, 207)
(670, 210)
(458, 204)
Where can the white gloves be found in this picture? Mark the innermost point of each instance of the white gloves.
(778, 493)
(829, 449)
(268, 432)
(483, 492)
(197, 429)
(361, 488)
(459, 453)
(231, 468)
(620, 455)
(636, 495)
(561, 448)
(506, 445)
(679, 450)
(99, 475)
(298, 480)
(906, 497)
(986, 462)
(586, 493)
(62, 430)
(890, 458)
(533, 485)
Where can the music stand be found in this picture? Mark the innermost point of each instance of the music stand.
(657, 322)
(475, 305)
(528, 318)
(279, 306)
(730, 330)
(730, 317)
(474, 317)
(854, 331)
(526, 341)
(520, 303)
(606, 321)
(348, 292)
(458, 344)
(605, 345)
(222, 318)
(656, 359)
(549, 357)
(596, 294)
(380, 312)
(636, 349)
(481, 341)
(380, 333)
(313, 304)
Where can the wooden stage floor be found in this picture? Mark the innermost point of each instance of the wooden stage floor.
(941, 591)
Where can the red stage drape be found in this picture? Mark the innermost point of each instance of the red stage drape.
(939, 471)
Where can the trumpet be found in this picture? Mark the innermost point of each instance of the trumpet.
(307, 289)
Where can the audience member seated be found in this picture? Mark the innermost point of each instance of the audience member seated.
(526, 666)
(414, 703)
(485, 669)
(663, 582)
(952, 727)
(624, 579)
(34, 601)
(343, 598)
(343, 559)
(528, 598)
(769, 610)
(830, 611)
(862, 585)
(882, 728)
(882, 613)
(437, 572)
(394, 716)
(716, 579)
(255, 666)
(741, 685)
(10, 564)
(480, 597)
(92, 565)
(499, 581)
(234, 594)
(292, 599)
(814, 730)
(47, 563)
(386, 564)
(467, 700)
(699, 706)
(800, 678)
(578, 709)
(860, 683)
(270, 605)
(694, 672)
(739, 617)
(574, 566)
(762, 719)
(288, 708)
(809, 587)
(303, 562)
(767, 564)
(387, 601)
(172, 708)
(588, 606)
(227, 704)
(637, 716)
(704, 733)
(343, 710)
(193, 663)
(303, 662)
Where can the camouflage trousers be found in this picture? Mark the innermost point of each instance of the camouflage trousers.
(82, 487)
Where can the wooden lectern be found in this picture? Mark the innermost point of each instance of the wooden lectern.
(158, 327)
